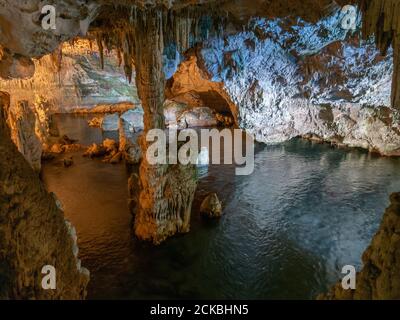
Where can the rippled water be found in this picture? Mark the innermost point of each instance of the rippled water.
(306, 211)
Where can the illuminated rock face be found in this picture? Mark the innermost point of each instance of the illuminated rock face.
(380, 18)
(73, 81)
(21, 28)
(22, 123)
(379, 278)
(287, 79)
(33, 232)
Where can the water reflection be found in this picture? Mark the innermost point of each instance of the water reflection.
(288, 229)
(76, 126)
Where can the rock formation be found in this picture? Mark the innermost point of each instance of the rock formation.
(33, 232)
(101, 109)
(15, 66)
(43, 125)
(96, 122)
(381, 19)
(167, 191)
(379, 278)
(131, 126)
(77, 83)
(22, 123)
(211, 207)
(293, 78)
(191, 85)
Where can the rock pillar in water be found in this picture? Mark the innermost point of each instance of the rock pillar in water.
(163, 207)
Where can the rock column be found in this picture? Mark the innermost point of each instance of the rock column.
(163, 206)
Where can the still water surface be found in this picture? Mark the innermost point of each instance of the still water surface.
(306, 211)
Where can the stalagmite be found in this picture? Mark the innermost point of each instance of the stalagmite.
(22, 122)
(167, 191)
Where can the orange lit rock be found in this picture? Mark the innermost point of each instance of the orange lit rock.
(22, 122)
(33, 231)
(190, 85)
(211, 207)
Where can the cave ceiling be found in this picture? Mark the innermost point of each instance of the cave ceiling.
(21, 32)
(113, 22)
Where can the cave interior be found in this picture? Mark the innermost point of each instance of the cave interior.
(319, 70)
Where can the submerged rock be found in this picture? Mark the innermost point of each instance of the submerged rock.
(48, 156)
(211, 207)
(65, 140)
(95, 151)
(68, 162)
(96, 122)
(110, 145)
(75, 147)
(108, 150)
(114, 159)
(56, 148)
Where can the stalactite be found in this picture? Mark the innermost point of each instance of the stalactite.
(382, 19)
(139, 37)
(56, 58)
(101, 50)
(183, 28)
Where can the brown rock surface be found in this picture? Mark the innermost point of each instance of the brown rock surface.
(381, 18)
(22, 123)
(190, 85)
(211, 207)
(129, 143)
(95, 151)
(33, 232)
(166, 191)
